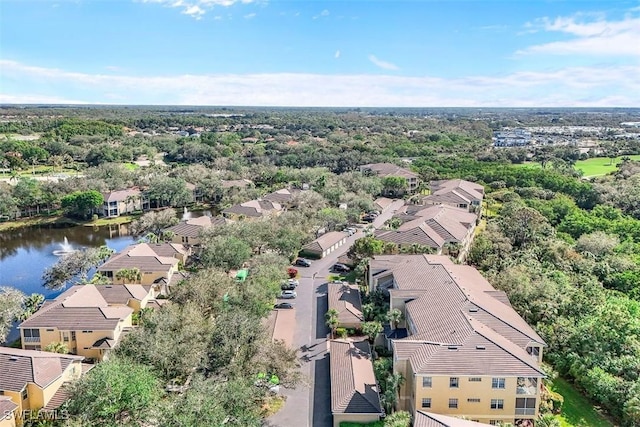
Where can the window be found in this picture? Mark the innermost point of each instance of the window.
(493, 422)
(73, 335)
(32, 335)
(65, 336)
(453, 403)
(426, 382)
(497, 404)
(426, 402)
(525, 406)
(497, 382)
(473, 400)
(475, 379)
(87, 332)
(453, 382)
(534, 351)
(24, 394)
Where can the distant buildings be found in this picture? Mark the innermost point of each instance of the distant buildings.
(188, 231)
(385, 170)
(122, 202)
(511, 138)
(325, 244)
(253, 209)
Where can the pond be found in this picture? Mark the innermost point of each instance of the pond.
(27, 252)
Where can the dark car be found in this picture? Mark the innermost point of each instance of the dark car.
(341, 268)
(283, 305)
(368, 218)
(303, 262)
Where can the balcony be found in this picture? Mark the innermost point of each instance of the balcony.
(31, 339)
(531, 390)
(525, 411)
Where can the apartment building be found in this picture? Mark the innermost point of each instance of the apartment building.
(121, 202)
(32, 380)
(455, 192)
(188, 231)
(81, 318)
(253, 209)
(384, 170)
(466, 352)
(154, 261)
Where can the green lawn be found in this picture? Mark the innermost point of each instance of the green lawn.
(131, 166)
(577, 411)
(598, 166)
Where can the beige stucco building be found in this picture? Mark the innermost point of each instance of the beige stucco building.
(466, 352)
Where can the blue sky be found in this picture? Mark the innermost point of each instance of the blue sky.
(423, 53)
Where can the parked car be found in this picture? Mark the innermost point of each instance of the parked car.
(350, 230)
(341, 268)
(293, 282)
(369, 218)
(286, 286)
(303, 262)
(288, 294)
(283, 305)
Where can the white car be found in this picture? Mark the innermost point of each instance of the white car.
(293, 282)
(351, 231)
(288, 294)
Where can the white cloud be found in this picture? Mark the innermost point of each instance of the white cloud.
(603, 86)
(196, 8)
(383, 64)
(592, 35)
(249, 15)
(325, 12)
(337, 54)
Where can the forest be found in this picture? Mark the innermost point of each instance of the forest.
(565, 249)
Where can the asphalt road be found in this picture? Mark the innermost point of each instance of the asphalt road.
(310, 403)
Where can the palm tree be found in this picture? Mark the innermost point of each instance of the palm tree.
(371, 330)
(394, 317)
(332, 320)
(57, 347)
(31, 304)
(130, 275)
(394, 382)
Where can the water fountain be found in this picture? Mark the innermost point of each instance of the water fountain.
(65, 248)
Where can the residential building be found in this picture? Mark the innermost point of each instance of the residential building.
(325, 244)
(187, 232)
(236, 184)
(466, 352)
(446, 229)
(511, 138)
(354, 392)
(253, 209)
(283, 196)
(196, 192)
(8, 411)
(384, 170)
(133, 296)
(381, 204)
(82, 319)
(122, 202)
(33, 380)
(429, 419)
(345, 299)
(457, 193)
(154, 261)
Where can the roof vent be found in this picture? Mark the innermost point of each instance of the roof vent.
(452, 347)
(481, 347)
(473, 310)
(13, 358)
(108, 287)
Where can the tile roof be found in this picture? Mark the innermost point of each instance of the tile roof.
(428, 419)
(6, 406)
(20, 367)
(389, 169)
(122, 294)
(432, 226)
(145, 257)
(467, 189)
(283, 195)
(346, 300)
(353, 383)
(81, 307)
(326, 241)
(382, 203)
(453, 305)
(254, 208)
(193, 226)
(121, 195)
(58, 398)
